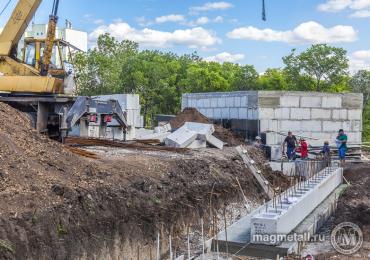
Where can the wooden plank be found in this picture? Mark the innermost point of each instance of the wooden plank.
(261, 180)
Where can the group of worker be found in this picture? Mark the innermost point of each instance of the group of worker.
(294, 146)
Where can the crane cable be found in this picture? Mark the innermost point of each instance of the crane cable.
(263, 10)
(6, 6)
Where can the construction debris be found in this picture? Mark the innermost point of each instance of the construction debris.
(193, 135)
(80, 141)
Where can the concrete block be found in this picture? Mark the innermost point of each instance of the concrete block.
(271, 139)
(266, 113)
(181, 138)
(311, 125)
(332, 102)
(309, 101)
(209, 113)
(192, 103)
(234, 113)
(208, 101)
(264, 125)
(355, 114)
(354, 137)
(282, 113)
(229, 101)
(346, 125)
(339, 114)
(244, 101)
(331, 126)
(236, 101)
(243, 113)
(221, 102)
(356, 126)
(217, 113)
(203, 130)
(203, 111)
(184, 103)
(253, 100)
(268, 101)
(200, 103)
(225, 113)
(275, 152)
(352, 101)
(322, 137)
(197, 144)
(143, 132)
(215, 142)
(317, 113)
(290, 125)
(157, 136)
(300, 113)
(252, 113)
(289, 101)
(274, 125)
(163, 129)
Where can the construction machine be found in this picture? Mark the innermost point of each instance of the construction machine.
(38, 87)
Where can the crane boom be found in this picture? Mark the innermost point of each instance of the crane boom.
(17, 25)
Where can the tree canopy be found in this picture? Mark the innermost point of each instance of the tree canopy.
(160, 78)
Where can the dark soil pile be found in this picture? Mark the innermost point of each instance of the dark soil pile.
(227, 136)
(354, 203)
(189, 114)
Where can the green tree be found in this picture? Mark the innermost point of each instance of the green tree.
(273, 79)
(360, 82)
(324, 64)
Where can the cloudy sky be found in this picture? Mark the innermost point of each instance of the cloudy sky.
(221, 31)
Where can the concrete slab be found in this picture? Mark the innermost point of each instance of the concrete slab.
(203, 130)
(197, 144)
(181, 138)
(215, 142)
(163, 129)
(157, 136)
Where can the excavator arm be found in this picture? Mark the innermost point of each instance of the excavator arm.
(16, 26)
(14, 75)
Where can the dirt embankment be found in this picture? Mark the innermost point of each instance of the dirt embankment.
(354, 203)
(57, 205)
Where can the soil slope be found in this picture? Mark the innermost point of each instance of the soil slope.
(57, 205)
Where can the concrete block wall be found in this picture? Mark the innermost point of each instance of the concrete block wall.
(310, 114)
(224, 105)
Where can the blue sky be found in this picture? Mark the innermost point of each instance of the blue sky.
(230, 30)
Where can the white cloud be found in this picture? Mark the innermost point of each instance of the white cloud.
(362, 54)
(357, 64)
(193, 38)
(211, 6)
(359, 60)
(98, 21)
(334, 5)
(202, 20)
(226, 57)
(218, 19)
(361, 14)
(305, 33)
(339, 5)
(170, 18)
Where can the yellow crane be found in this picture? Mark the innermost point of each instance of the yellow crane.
(18, 77)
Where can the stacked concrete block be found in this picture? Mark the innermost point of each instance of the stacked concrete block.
(309, 114)
(224, 105)
(181, 138)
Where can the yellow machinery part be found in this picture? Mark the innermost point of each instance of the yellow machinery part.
(31, 84)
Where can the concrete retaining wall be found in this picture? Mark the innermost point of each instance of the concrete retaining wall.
(281, 217)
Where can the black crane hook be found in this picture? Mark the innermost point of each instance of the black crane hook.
(263, 10)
